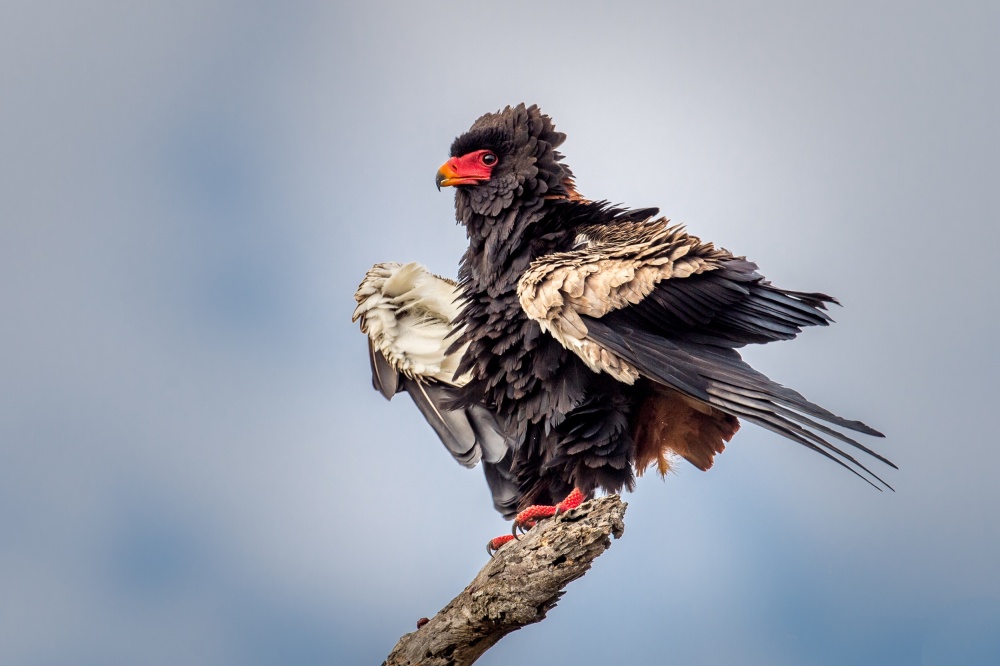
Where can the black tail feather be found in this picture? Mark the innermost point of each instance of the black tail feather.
(719, 376)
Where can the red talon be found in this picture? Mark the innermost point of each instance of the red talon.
(530, 516)
(494, 544)
(527, 518)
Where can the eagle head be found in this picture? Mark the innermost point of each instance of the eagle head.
(506, 158)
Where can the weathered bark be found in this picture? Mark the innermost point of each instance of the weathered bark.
(516, 588)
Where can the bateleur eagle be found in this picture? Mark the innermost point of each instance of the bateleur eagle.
(584, 342)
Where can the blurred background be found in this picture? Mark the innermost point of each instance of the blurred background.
(193, 466)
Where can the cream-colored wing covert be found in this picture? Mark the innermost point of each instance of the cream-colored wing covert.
(645, 299)
(407, 313)
(610, 268)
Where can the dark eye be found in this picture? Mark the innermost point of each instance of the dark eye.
(489, 159)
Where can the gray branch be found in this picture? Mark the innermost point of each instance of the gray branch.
(516, 588)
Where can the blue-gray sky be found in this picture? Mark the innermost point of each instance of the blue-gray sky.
(193, 468)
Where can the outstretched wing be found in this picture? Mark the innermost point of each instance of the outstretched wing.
(646, 299)
(407, 313)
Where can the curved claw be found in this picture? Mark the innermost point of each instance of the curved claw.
(517, 529)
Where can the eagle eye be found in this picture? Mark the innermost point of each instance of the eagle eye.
(488, 158)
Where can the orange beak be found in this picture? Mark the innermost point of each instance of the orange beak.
(447, 176)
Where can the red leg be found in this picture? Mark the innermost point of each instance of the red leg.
(573, 500)
(493, 545)
(527, 518)
(530, 516)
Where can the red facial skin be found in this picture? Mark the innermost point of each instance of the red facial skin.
(468, 169)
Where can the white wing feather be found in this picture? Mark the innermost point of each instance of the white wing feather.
(407, 313)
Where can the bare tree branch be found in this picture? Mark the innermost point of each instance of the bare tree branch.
(516, 588)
